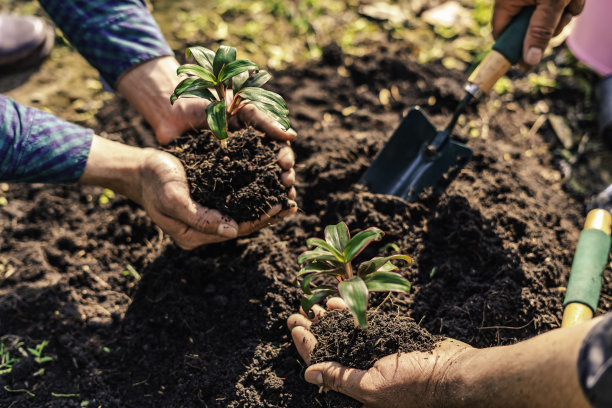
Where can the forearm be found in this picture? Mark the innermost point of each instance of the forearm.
(540, 372)
(115, 166)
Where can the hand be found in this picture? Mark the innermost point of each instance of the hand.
(156, 180)
(148, 87)
(164, 194)
(548, 19)
(400, 380)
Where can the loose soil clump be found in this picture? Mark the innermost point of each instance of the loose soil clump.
(208, 327)
(339, 340)
(241, 181)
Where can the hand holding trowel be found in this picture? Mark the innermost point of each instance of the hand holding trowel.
(417, 155)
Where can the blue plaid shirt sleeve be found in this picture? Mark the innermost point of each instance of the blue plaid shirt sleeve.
(113, 35)
(37, 147)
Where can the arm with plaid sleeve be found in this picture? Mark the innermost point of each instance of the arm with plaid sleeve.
(113, 35)
(35, 146)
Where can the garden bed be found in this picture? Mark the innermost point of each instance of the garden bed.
(207, 327)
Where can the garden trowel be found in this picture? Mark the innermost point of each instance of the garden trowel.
(417, 155)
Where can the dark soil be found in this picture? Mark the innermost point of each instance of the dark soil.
(207, 328)
(242, 181)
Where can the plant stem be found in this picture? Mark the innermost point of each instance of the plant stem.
(223, 143)
(348, 270)
(233, 105)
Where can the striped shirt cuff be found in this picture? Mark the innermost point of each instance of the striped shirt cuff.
(37, 147)
(113, 35)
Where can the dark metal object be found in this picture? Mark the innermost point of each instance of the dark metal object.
(417, 156)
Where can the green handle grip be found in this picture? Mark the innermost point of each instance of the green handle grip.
(590, 260)
(510, 42)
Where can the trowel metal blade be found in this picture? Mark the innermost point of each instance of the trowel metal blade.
(404, 167)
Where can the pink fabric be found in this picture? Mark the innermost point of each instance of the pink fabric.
(591, 36)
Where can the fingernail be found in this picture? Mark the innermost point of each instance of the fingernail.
(533, 56)
(227, 230)
(314, 377)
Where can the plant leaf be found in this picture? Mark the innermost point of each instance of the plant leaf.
(239, 80)
(258, 79)
(192, 69)
(215, 116)
(317, 254)
(319, 294)
(360, 241)
(274, 112)
(202, 55)
(355, 294)
(319, 267)
(193, 88)
(265, 96)
(306, 283)
(337, 235)
(322, 243)
(224, 56)
(381, 263)
(236, 67)
(386, 281)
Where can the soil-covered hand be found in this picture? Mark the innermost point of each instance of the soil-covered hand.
(148, 87)
(165, 196)
(548, 19)
(399, 380)
(156, 180)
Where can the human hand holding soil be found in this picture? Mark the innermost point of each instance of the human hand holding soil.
(539, 372)
(548, 19)
(398, 380)
(148, 87)
(156, 180)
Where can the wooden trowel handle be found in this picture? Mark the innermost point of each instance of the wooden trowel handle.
(506, 52)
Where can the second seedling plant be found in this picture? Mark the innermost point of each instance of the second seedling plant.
(332, 257)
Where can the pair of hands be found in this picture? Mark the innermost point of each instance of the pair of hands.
(161, 182)
(548, 19)
(399, 380)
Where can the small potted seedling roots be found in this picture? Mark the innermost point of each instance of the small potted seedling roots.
(240, 178)
(357, 337)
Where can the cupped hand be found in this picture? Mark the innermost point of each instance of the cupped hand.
(413, 379)
(548, 19)
(163, 192)
(148, 87)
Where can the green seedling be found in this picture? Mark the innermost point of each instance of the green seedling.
(332, 257)
(230, 85)
(6, 361)
(37, 352)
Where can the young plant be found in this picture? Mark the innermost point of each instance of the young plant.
(333, 256)
(6, 361)
(37, 352)
(230, 85)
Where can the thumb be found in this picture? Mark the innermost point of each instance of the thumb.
(337, 377)
(178, 204)
(210, 221)
(541, 28)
